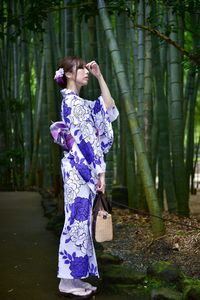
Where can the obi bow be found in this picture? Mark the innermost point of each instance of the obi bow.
(61, 135)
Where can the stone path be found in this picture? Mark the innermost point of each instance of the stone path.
(28, 252)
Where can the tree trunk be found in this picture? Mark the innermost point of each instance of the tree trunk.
(52, 116)
(27, 122)
(33, 169)
(176, 120)
(157, 223)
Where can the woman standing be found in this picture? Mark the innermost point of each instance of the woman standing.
(85, 134)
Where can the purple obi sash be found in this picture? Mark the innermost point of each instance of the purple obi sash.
(59, 132)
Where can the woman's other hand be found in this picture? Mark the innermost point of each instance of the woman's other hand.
(101, 183)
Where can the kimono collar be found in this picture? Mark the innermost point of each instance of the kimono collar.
(65, 92)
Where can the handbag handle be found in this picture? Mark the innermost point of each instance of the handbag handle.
(100, 201)
(105, 204)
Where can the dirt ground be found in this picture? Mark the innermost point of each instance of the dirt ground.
(134, 243)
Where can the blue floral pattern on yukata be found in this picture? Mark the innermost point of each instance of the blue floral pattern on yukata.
(88, 124)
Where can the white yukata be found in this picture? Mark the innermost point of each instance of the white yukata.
(85, 134)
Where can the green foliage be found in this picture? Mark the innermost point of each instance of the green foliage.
(87, 9)
(35, 12)
(12, 154)
(15, 106)
(11, 161)
(182, 6)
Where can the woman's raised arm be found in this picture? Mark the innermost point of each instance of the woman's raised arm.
(94, 69)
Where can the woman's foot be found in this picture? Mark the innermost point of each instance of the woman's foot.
(71, 287)
(86, 285)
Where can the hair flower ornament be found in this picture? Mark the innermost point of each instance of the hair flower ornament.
(60, 78)
(59, 73)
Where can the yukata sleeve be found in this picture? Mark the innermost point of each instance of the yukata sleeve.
(77, 114)
(112, 112)
(103, 121)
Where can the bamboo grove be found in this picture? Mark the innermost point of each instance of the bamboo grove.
(149, 53)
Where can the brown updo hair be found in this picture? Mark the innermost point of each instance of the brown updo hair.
(69, 64)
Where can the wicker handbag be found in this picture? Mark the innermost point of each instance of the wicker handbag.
(102, 219)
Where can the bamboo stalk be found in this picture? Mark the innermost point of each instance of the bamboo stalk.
(150, 192)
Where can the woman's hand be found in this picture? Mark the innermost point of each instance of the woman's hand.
(94, 69)
(101, 183)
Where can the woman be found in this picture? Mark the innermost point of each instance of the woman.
(85, 134)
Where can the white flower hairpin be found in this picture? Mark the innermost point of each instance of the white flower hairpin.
(59, 73)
